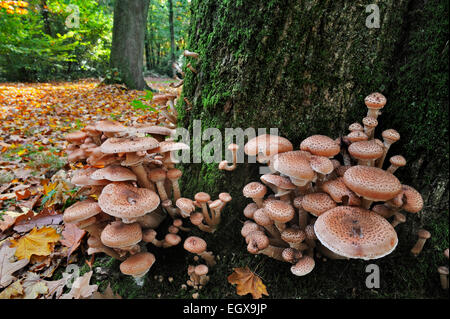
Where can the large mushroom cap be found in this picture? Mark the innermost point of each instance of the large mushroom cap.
(131, 144)
(321, 164)
(267, 145)
(317, 203)
(125, 201)
(254, 190)
(354, 232)
(320, 145)
(81, 211)
(118, 234)
(366, 150)
(340, 193)
(138, 264)
(114, 173)
(372, 183)
(375, 100)
(109, 126)
(294, 164)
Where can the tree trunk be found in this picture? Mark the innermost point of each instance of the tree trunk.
(304, 67)
(127, 51)
(172, 36)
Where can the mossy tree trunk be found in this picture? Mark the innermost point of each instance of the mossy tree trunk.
(305, 67)
(127, 51)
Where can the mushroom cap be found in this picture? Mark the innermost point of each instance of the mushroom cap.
(201, 270)
(372, 183)
(202, 197)
(161, 99)
(382, 210)
(233, 147)
(185, 204)
(291, 255)
(340, 193)
(375, 100)
(195, 245)
(125, 201)
(81, 211)
(317, 203)
(279, 211)
(82, 177)
(250, 210)
(294, 164)
(250, 226)
(370, 122)
(126, 145)
(225, 197)
(321, 164)
(390, 135)
(443, 270)
(354, 232)
(137, 265)
(261, 217)
(278, 181)
(157, 175)
(169, 146)
(196, 218)
(398, 161)
(151, 129)
(303, 266)
(268, 145)
(114, 173)
(357, 136)
(172, 239)
(148, 235)
(425, 234)
(412, 200)
(254, 190)
(118, 234)
(366, 150)
(257, 241)
(109, 126)
(293, 235)
(320, 145)
(76, 137)
(133, 159)
(355, 127)
(174, 174)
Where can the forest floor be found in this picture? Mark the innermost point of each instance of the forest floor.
(35, 118)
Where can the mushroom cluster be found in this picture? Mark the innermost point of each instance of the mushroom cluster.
(331, 198)
(130, 181)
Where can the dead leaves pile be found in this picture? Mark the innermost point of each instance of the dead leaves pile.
(247, 282)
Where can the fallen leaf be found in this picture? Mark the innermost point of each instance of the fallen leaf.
(34, 286)
(8, 267)
(38, 242)
(247, 283)
(81, 288)
(107, 294)
(13, 290)
(72, 236)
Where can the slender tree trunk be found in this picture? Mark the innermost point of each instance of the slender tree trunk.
(304, 67)
(127, 52)
(172, 36)
(47, 28)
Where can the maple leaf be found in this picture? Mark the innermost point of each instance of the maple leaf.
(37, 242)
(247, 283)
(107, 294)
(81, 288)
(72, 236)
(7, 268)
(34, 286)
(13, 290)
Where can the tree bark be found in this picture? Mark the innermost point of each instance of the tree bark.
(172, 36)
(304, 67)
(127, 51)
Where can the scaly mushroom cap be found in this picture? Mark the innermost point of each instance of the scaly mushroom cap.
(114, 173)
(354, 232)
(201, 270)
(398, 161)
(225, 197)
(82, 177)
(317, 203)
(391, 135)
(268, 145)
(277, 181)
(250, 210)
(157, 175)
(202, 197)
(174, 174)
(254, 190)
(250, 226)
(372, 183)
(81, 211)
(321, 164)
(261, 217)
(125, 201)
(137, 265)
(303, 266)
(279, 211)
(375, 100)
(109, 126)
(412, 200)
(257, 241)
(366, 150)
(76, 137)
(355, 127)
(118, 234)
(195, 245)
(294, 164)
(293, 235)
(291, 255)
(170, 146)
(126, 145)
(370, 122)
(357, 136)
(339, 192)
(185, 204)
(320, 145)
(151, 129)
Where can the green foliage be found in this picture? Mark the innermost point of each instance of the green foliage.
(47, 43)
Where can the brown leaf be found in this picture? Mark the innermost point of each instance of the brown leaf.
(81, 288)
(72, 237)
(247, 283)
(8, 267)
(107, 294)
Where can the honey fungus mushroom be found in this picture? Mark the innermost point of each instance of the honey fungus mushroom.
(137, 266)
(197, 245)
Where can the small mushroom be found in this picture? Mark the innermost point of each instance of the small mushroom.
(399, 218)
(423, 235)
(443, 273)
(197, 245)
(137, 266)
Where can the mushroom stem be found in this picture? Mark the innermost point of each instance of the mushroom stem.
(417, 248)
(365, 203)
(176, 190)
(206, 215)
(141, 175)
(109, 251)
(398, 219)
(443, 273)
(161, 190)
(208, 257)
(273, 252)
(302, 218)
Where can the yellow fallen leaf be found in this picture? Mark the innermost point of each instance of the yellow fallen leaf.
(37, 242)
(13, 290)
(247, 283)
